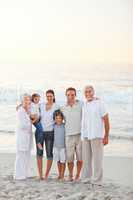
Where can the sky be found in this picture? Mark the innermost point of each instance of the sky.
(44, 37)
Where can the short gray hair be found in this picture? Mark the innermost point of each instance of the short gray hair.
(24, 96)
(88, 87)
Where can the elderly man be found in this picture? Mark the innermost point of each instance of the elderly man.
(73, 113)
(95, 134)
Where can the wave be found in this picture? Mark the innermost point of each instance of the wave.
(110, 95)
(121, 137)
(112, 137)
(7, 131)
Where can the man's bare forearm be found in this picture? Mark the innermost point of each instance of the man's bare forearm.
(106, 124)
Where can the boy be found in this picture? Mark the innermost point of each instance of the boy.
(59, 143)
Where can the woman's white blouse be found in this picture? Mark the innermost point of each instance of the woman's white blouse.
(47, 120)
(23, 130)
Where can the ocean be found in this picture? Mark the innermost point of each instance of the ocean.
(116, 91)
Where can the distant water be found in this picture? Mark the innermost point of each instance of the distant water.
(118, 98)
(116, 89)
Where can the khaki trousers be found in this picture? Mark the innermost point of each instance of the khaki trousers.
(92, 154)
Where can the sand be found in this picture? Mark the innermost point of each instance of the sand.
(118, 183)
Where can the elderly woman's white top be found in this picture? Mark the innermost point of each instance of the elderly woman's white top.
(23, 131)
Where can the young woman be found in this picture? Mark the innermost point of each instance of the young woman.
(47, 121)
(23, 140)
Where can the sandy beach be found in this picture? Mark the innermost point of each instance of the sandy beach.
(118, 183)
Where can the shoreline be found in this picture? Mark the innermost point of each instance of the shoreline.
(116, 147)
(116, 169)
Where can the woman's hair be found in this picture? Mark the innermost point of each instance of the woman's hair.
(34, 96)
(22, 99)
(24, 96)
(52, 92)
(58, 113)
(71, 89)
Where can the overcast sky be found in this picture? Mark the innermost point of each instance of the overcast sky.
(63, 33)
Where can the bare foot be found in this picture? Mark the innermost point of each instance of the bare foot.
(40, 146)
(58, 178)
(62, 179)
(39, 178)
(45, 178)
(77, 177)
(70, 178)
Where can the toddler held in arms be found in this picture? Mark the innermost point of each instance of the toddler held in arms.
(35, 117)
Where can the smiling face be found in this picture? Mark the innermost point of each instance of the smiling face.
(36, 99)
(71, 96)
(26, 101)
(50, 97)
(58, 119)
(89, 92)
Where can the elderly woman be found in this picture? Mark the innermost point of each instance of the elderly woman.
(23, 140)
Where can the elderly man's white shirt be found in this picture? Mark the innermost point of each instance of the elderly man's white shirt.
(92, 125)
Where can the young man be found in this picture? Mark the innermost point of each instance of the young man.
(95, 134)
(73, 112)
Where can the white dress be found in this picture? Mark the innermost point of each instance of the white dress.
(24, 141)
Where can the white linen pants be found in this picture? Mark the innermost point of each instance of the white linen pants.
(92, 154)
(22, 165)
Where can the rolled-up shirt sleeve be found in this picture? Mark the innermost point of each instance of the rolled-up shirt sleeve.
(103, 110)
(83, 123)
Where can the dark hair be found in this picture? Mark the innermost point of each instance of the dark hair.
(34, 96)
(71, 89)
(58, 113)
(52, 92)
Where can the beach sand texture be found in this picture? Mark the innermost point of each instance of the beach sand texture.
(118, 183)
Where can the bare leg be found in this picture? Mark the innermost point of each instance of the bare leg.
(39, 146)
(63, 167)
(49, 164)
(70, 168)
(39, 165)
(59, 169)
(79, 167)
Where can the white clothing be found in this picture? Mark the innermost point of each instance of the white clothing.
(23, 165)
(47, 120)
(24, 141)
(92, 154)
(35, 109)
(92, 125)
(59, 154)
